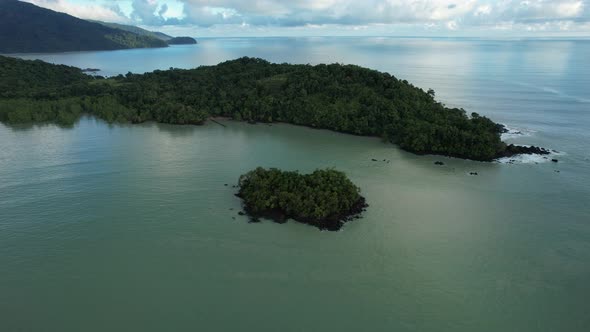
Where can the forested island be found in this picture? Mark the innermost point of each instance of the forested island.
(343, 98)
(325, 198)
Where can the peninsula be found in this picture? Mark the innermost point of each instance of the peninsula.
(343, 98)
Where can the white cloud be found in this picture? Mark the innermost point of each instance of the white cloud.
(85, 11)
(452, 25)
(483, 10)
(456, 15)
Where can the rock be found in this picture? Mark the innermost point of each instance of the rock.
(226, 184)
(555, 160)
(556, 171)
(241, 213)
(374, 159)
(512, 150)
(439, 163)
(473, 173)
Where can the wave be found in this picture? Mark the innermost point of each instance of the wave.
(513, 132)
(530, 158)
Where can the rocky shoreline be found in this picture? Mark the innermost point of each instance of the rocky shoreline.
(513, 150)
(331, 223)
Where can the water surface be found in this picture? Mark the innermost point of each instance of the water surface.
(131, 227)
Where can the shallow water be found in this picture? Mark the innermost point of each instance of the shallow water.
(132, 227)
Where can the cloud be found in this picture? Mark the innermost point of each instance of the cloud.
(149, 12)
(449, 15)
(85, 11)
(355, 12)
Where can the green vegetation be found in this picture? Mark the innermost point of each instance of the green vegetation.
(28, 28)
(343, 98)
(152, 34)
(324, 198)
(135, 30)
(182, 41)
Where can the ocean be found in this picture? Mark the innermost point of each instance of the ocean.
(136, 227)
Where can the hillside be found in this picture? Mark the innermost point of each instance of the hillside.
(182, 41)
(26, 28)
(155, 34)
(136, 30)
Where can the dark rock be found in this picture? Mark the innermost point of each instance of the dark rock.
(512, 150)
(226, 184)
(439, 163)
(555, 160)
(241, 213)
(473, 173)
(374, 159)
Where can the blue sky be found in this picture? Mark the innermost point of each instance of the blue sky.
(478, 18)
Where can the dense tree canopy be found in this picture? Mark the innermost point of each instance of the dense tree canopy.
(344, 98)
(324, 198)
(181, 41)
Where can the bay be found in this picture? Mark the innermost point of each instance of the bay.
(132, 227)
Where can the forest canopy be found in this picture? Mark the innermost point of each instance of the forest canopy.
(324, 198)
(344, 98)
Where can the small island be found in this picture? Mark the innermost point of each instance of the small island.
(325, 198)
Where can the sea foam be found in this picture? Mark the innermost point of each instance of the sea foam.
(530, 158)
(512, 133)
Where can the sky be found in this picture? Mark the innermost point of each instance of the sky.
(431, 18)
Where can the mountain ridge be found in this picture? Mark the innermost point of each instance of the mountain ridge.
(26, 28)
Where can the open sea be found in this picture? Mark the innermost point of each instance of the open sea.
(133, 228)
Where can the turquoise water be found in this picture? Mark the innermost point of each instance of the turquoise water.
(131, 228)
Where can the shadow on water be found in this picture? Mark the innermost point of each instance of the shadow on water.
(176, 130)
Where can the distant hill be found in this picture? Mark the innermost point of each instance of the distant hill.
(143, 32)
(26, 28)
(136, 30)
(182, 41)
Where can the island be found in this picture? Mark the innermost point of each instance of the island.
(343, 98)
(325, 198)
(182, 41)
